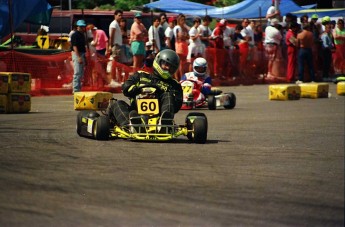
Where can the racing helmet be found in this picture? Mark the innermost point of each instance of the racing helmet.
(169, 58)
(200, 67)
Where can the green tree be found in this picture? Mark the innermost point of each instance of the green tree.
(109, 4)
(133, 4)
(219, 3)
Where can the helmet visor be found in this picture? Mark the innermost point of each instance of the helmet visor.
(166, 66)
(200, 69)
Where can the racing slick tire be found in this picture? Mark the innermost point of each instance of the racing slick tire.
(190, 123)
(232, 101)
(101, 128)
(200, 130)
(211, 102)
(81, 114)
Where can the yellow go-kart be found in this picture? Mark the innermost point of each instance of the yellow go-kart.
(102, 126)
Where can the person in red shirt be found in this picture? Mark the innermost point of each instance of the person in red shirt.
(291, 43)
(217, 36)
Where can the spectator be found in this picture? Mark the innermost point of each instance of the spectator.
(181, 44)
(154, 35)
(149, 57)
(339, 53)
(115, 36)
(273, 39)
(304, 20)
(138, 36)
(327, 47)
(195, 47)
(218, 37)
(78, 48)
(126, 56)
(304, 43)
(227, 36)
(169, 34)
(163, 25)
(163, 21)
(205, 30)
(100, 40)
(272, 12)
(291, 43)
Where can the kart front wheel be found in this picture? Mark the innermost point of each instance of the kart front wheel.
(200, 130)
(231, 103)
(212, 102)
(81, 114)
(101, 128)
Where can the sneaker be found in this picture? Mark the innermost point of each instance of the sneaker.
(166, 119)
(299, 82)
(113, 84)
(67, 85)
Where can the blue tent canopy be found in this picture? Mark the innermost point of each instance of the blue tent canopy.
(244, 9)
(22, 10)
(339, 12)
(178, 6)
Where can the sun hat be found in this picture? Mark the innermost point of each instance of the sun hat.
(274, 21)
(171, 19)
(314, 16)
(81, 23)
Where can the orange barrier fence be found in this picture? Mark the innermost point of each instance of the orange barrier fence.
(52, 72)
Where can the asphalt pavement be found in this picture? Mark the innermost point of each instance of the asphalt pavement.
(265, 163)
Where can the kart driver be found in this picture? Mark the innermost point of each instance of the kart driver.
(201, 79)
(169, 90)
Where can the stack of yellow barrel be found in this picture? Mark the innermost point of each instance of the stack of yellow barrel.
(15, 90)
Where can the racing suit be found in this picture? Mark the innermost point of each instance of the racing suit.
(169, 95)
(202, 85)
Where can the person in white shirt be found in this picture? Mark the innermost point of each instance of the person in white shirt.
(195, 47)
(227, 37)
(169, 34)
(115, 36)
(272, 12)
(154, 34)
(273, 38)
(205, 30)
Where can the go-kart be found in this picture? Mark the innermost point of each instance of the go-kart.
(193, 98)
(145, 126)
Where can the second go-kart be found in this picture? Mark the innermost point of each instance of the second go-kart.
(145, 126)
(193, 98)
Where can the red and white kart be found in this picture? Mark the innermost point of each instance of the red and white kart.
(193, 98)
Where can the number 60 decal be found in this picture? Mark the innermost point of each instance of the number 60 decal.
(148, 106)
(151, 106)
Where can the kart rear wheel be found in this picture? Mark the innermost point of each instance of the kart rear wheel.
(190, 123)
(232, 101)
(81, 114)
(200, 130)
(212, 102)
(101, 128)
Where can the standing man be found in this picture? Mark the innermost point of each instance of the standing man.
(154, 34)
(138, 36)
(205, 30)
(304, 43)
(169, 34)
(115, 36)
(78, 48)
(273, 11)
